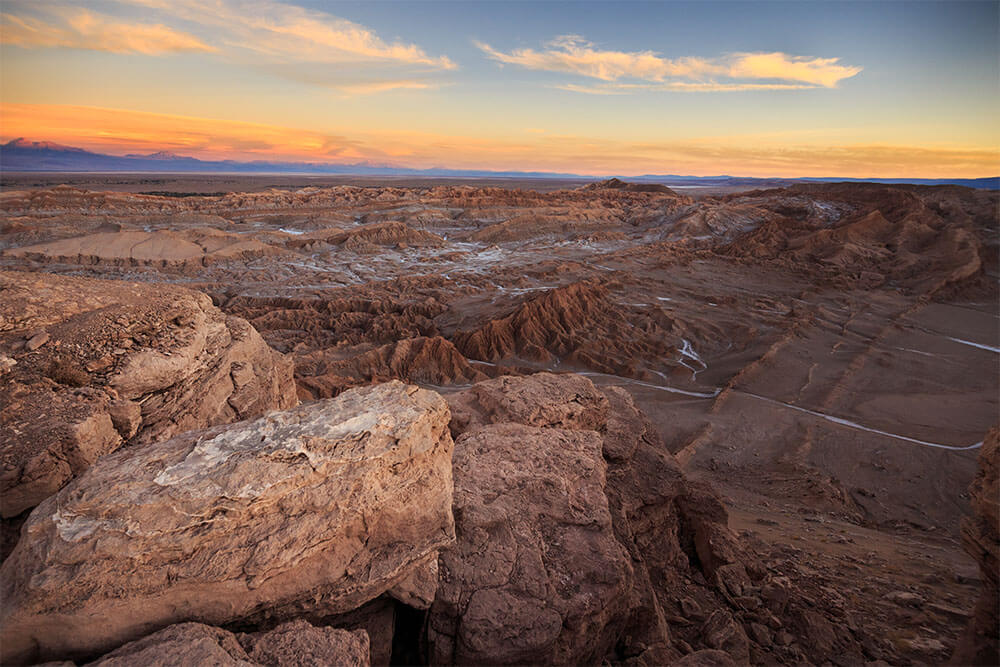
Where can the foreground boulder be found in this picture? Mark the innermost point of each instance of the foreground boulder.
(537, 575)
(93, 364)
(580, 540)
(292, 644)
(310, 511)
(575, 529)
(981, 537)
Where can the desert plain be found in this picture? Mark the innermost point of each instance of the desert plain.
(499, 422)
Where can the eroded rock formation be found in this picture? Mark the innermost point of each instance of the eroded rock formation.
(311, 510)
(95, 364)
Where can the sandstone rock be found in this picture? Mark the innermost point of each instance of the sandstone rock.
(377, 619)
(193, 367)
(177, 645)
(417, 590)
(536, 574)
(313, 510)
(981, 538)
(299, 643)
(904, 598)
(722, 632)
(192, 248)
(544, 400)
(293, 644)
(671, 528)
(37, 341)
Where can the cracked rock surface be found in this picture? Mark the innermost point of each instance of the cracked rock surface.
(120, 363)
(313, 510)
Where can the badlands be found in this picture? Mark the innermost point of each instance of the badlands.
(433, 423)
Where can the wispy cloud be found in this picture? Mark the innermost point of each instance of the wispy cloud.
(83, 29)
(288, 33)
(281, 39)
(572, 54)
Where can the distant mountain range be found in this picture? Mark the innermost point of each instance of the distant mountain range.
(24, 155)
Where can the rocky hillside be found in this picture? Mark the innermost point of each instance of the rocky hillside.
(89, 366)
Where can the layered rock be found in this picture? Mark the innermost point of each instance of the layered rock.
(100, 363)
(313, 510)
(981, 538)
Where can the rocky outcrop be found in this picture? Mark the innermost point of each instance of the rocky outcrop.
(99, 363)
(424, 360)
(981, 538)
(536, 575)
(299, 643)
(294, 643)
(385, 234)
(864, 234)
(577, 324)
(180, 644)
(168, 249)
(313, 510)
(558, 477)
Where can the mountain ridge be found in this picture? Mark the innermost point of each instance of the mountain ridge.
(21, 154)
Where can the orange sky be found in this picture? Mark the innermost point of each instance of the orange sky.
(120, 131)
(868, 90)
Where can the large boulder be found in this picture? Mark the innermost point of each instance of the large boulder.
(552, 475)
(981, 537)
(93, 364)
(310, 511)
(537, 575)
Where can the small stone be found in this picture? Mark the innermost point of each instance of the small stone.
(37, 340)
(904, 598)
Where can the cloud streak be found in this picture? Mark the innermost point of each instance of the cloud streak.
(280, 39)
(83, 29)
(572, 54)
(288, 33)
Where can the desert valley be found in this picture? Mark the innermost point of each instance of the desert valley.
(464, 423)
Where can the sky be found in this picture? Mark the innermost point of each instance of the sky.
(850, 89)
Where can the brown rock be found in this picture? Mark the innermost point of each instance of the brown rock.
(536, 574)
(578, 323)
(417, 590)
(706, 658)
(37, 341)
(311, 510)
(981, 538)
(543, 400)
(177, 645)
(722, 632)
(178, 379)
(298, 643)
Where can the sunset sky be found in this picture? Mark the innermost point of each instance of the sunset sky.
(754, 89)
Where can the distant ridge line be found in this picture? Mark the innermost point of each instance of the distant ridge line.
(44, 156)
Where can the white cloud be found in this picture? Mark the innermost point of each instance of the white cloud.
(572, 54)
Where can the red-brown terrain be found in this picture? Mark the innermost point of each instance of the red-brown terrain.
(702, 430)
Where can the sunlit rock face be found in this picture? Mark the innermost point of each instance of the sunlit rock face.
(98, 364)
(316, 510)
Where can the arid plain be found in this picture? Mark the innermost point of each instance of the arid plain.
(823, 359)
